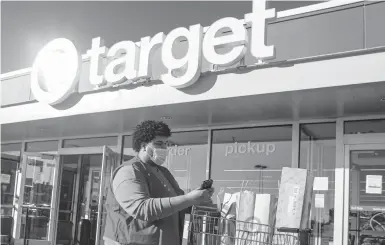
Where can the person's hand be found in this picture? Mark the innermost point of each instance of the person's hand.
(198, 196)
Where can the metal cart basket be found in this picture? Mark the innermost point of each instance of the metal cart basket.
(207, 227)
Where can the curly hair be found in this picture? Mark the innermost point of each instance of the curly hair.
(146, 131)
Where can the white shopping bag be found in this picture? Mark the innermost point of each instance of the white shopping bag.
(228, 200)
(228, 215)
(263, 220)
(245, 217)
(257, 211)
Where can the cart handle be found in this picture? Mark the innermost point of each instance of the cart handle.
(293, 230)
(205, 208)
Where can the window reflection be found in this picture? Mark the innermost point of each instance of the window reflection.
(37, 193)
(187, 158)
(35, 223)
(318, 155)
(128, 152)
(13, 148)
(365, 127)
(42, 146)
(250, 159)
(39, 181)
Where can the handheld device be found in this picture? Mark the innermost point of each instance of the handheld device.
(207, 184)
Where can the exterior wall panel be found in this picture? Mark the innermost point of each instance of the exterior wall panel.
(321, 34)
(375, 24)
(15, 90)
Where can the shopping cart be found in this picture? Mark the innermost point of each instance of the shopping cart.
(208, 227)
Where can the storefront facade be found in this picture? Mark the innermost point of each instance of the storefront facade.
(316, 103)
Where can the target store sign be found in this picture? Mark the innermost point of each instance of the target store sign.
(135, 57)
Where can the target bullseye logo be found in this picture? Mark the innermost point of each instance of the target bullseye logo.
(55, 72)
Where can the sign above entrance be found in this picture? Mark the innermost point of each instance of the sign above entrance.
(55, 72)
(131, 61)
(135, 57)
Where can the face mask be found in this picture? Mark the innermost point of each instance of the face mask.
(159, 155)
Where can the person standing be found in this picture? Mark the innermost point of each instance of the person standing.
(145, 205)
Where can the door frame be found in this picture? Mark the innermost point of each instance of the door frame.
(19, 191)
(53, 222)
(355, 142)
(85, 150)
(105, 151)
(75, 194)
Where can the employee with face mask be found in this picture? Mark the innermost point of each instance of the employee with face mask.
(144, 203)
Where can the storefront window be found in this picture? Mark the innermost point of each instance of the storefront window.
(128, 152)
(13, 148)
(90, 142)
(187, 157)
(250, 159)
(318, 155)
(42, 146)
(365, 127)
(10, 159)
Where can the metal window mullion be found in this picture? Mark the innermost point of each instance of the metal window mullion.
(19, 191)
(120, 149)
(346, 203)
(339, 184)
(295, 145)
(101, 193)
(319, 163)
(308, 156)
(77, 188)
(54, 214)
(209, 154)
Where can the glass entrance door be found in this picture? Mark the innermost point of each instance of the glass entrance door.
(366, 164)
(35, 199)
(68, 199)
(9, 165)
(110, 162)
(51, 197)
(83, 189)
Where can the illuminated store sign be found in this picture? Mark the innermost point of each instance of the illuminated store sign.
(135, 57)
